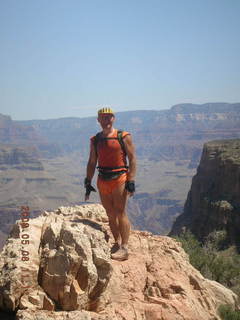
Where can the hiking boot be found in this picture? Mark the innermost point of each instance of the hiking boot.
(121, 254)
(115, 247)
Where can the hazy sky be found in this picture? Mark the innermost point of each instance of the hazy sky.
(68, 58)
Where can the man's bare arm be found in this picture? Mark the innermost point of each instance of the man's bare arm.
(92, 162)
(91, 166)
(130, 150)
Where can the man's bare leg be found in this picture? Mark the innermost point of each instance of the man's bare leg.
(119, 200)
(124, 228)
(107, 202)
(119, 203)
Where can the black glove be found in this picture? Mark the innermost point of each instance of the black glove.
(130, 186)
(88, 187)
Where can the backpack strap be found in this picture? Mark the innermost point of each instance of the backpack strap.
(120, 140)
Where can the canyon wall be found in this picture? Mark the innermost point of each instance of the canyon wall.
(213, 202)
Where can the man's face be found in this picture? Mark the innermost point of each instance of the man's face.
(106, 120)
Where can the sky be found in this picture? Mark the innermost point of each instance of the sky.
(69, 58)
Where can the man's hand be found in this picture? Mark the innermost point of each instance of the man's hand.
(88, 187)
(130, 187)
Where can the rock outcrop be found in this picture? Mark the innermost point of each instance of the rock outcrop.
(58, 266)
(213, 201)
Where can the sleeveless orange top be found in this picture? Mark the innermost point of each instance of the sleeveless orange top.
(111, 156)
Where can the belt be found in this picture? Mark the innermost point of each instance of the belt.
(110, 175)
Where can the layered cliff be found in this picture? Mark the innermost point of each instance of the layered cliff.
(15, 134)
(25, 180)
(58, 266)
(213, 201)
(177, 133)
(19, 158)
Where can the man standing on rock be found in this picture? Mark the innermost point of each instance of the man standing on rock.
(111, 148)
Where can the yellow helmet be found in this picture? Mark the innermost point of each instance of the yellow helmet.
(105, 110)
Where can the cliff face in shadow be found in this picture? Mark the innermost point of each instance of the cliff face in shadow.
(213, 202)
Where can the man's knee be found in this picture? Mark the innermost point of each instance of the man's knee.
(111, 214)
(120, 212)
(107, 205)
(120, 205)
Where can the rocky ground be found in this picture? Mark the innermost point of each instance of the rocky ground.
(65, 272)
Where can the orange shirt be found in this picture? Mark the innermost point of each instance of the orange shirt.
(110, 153)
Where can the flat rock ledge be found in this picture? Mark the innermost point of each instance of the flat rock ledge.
(65, 272)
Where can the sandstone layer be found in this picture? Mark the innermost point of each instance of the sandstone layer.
(69, 273)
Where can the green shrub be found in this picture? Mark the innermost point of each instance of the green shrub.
(224, 270)
(216, 240)
(227, 313)
(214, 264)
(192, 246)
